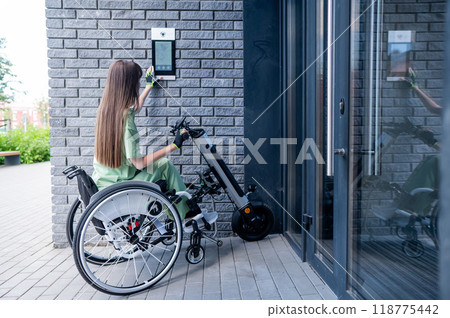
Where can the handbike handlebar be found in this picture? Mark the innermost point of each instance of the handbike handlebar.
(183, 124)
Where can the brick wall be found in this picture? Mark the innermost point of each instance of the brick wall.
(86, 36)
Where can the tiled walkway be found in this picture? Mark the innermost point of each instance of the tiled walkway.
(30, 268)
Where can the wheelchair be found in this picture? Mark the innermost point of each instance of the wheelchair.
(130, 234)
(415, 205)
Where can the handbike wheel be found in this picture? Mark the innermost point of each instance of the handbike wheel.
(250, 233)
(119, 227)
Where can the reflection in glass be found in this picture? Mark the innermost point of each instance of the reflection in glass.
(294, 128)
(394, 161)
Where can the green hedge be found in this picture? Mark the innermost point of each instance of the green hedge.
(34, 144)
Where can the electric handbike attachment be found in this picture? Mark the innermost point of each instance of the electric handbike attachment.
(251, 221)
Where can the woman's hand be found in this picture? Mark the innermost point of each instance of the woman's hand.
(180, 137)
(150, 78)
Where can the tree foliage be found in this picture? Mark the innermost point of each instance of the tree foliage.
(6, 77)
(33, 144)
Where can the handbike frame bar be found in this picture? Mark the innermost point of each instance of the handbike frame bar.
(220, 169)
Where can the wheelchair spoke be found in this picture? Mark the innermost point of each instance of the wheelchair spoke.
(125, 272)
(118, 258)
(154, 257)
(145, 262)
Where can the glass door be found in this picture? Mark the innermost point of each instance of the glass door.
(373, 94)
(396, 82)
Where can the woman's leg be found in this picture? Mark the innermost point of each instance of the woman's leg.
(165, 170)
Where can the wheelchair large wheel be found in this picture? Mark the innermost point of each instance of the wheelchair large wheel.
(73, 217)
(434, 226)
(127, 226)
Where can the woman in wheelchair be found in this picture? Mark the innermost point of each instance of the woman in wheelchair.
(117, 155)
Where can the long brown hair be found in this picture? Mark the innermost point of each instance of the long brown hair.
(121, 92)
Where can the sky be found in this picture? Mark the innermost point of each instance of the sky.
(22, 23)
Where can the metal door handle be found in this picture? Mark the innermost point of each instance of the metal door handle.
(330, 90)
(340, 152)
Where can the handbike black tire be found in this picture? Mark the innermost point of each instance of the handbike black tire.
(249, 234)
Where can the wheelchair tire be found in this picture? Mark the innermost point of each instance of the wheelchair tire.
(191, 257)
(249, 233)
(413, 248)
(434, 225)
(118, 227)
(76, 209)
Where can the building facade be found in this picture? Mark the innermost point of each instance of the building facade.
(17, 115)
(340, 104)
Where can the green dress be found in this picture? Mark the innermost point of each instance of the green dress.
(160, 169)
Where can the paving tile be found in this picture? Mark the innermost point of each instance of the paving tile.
(14, 280)
(289, 294)
(84, 295)
(193, 291)
(139, 296)
(72, 288)
(100, 296)
(46, 297)
(174, 296)
(326, 293)
(157, 293)
(49, 279)
(56, 287)
(250, 294)
(247, 283)
(212, 296)
(312, 297)
(230, 290)
(4, 291)
(314, 278)
(21, 288)
(8, 298)
(268, 289)
(211, 286)
(33, 293)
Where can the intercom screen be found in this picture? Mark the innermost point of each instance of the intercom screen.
(163, 55)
